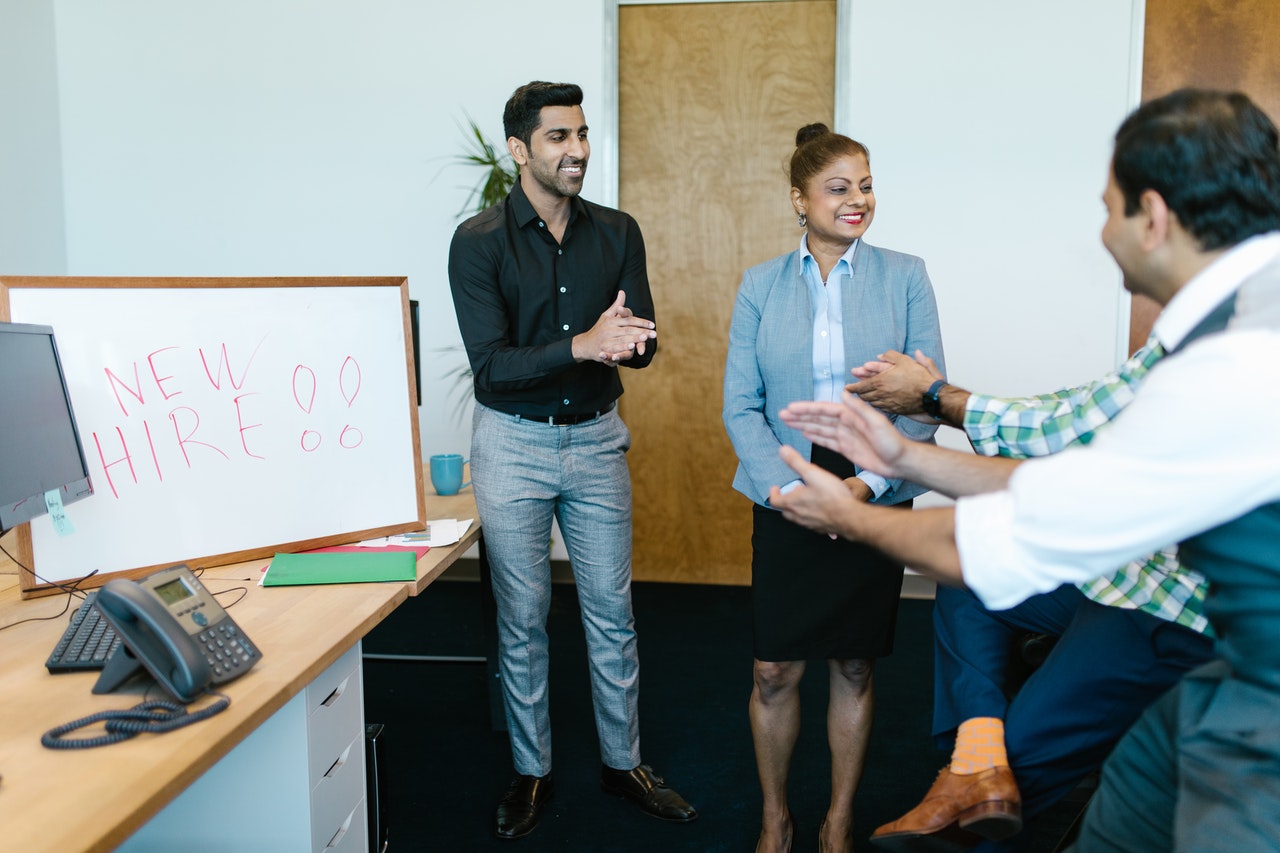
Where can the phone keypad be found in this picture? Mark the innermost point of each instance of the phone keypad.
(227, 650)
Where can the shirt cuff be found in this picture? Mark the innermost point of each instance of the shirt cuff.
(877, 484)
(981, 426)
(790, 487)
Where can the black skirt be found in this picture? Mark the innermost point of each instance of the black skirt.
(814, 597)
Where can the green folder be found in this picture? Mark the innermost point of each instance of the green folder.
(341, 567)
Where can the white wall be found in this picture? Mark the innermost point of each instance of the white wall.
(990, 127)
(298, 137)
(31, 226)
(317, 137)
(990, 132)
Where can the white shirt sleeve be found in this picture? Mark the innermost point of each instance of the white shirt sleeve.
(1198, 447)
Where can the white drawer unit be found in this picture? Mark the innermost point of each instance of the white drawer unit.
(335, 755)
(295, 785)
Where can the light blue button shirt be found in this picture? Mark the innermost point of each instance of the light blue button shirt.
(830, 373)
(828, 321)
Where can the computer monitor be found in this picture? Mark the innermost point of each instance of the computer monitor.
(40, 447)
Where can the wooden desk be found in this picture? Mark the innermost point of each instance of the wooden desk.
(93, 800)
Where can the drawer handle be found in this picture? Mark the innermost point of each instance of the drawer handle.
(337, 693)
(337, 765)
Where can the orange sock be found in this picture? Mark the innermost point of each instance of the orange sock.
(979, 746)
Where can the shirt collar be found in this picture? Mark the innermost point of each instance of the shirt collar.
(522, 208)
(1209, 287)
(807, 258)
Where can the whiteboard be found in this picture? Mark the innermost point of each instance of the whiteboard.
(226, 419)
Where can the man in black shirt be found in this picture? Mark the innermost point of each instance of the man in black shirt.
(552, 297)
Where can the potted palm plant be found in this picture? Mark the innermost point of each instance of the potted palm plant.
(499, 171)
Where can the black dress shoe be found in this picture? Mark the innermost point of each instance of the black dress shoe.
(521, 806)
(647, 790)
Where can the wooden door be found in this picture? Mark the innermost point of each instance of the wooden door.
(1216, 44)
(710, 96)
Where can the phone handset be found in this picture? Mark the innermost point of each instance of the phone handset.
(172, 626)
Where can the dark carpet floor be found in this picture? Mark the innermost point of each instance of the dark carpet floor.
(445, 766)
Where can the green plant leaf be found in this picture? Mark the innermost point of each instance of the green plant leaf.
(499, 170)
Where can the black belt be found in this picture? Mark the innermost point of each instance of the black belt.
(567, 420)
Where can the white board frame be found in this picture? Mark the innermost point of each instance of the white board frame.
(327, 454)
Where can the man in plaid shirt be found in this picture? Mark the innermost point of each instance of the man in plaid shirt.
(1121, 640)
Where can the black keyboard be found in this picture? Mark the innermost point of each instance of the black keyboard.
(87, 643)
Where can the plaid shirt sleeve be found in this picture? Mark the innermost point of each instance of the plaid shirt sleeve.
(1024, 427)
(1037, 426)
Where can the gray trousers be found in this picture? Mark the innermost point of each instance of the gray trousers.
(1199, 771)
(525, 473)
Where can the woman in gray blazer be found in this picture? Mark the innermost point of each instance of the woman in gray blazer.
(800, 323)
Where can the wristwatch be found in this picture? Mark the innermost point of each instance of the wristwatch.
(929, 400)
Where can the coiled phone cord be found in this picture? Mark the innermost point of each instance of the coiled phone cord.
(154, 716)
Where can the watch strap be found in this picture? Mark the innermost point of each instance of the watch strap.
(930, 401)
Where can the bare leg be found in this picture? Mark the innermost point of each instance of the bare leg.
(775, 724)
(849, 714)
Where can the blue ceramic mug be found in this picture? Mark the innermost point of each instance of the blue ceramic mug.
(446, 473)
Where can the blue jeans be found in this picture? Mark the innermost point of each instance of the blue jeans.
(525, 473)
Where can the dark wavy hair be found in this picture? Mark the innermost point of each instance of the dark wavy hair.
(523, 112)
(1214, 158)
(817, 148)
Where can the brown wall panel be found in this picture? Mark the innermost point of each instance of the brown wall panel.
(710, 97)
(1214, 44)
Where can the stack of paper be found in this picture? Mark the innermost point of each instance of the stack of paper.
(439, 533)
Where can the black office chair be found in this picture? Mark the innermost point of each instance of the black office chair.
(1029, 651)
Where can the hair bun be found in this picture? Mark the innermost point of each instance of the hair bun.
(810, 132)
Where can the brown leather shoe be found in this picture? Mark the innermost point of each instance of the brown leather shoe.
(959, 811)
(648, 790)
(521, 806)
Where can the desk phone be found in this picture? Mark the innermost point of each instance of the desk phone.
(172, 627)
